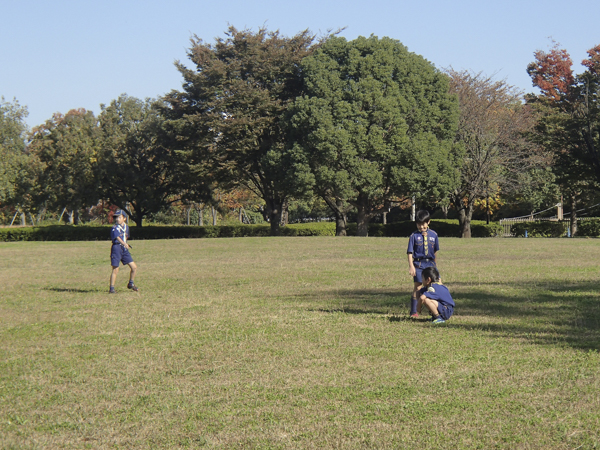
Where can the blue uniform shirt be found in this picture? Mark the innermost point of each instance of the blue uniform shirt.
(440, 293)
(121, 231)
(423, 248)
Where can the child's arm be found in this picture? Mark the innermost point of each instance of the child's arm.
(124, 244)
(411, 266)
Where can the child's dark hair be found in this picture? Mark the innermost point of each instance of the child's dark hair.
(422, 216)
(431, 272)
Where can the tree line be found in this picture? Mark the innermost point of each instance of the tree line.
(363, 125)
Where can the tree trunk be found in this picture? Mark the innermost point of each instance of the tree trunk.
(23, 219)
(573, 220)
(341, 220)
(445, 211)
(189, 211)
(214, 215)
(464, 220)
(284, 214)
(275, 208)
(363, 217)
(340, 216)
(41, 215)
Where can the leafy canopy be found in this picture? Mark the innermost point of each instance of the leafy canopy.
(376, 123)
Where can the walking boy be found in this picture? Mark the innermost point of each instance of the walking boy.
(119, 251)
(423, 246)
(435, 296)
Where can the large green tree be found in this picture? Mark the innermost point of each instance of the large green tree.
(141, 170)
(66, 149)
(376, 124)
(13, 131)
(229, 116)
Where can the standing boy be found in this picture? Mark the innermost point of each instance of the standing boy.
(423, 246)
(435, 296)
(119, 251)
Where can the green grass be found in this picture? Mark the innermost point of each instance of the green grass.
(277, 343)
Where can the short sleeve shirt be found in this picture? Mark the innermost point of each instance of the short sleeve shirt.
(119, 231)
(440, 293)
(423, 246)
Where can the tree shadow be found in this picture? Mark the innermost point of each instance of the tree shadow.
(546, 313)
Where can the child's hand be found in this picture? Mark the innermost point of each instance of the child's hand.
(412, 271)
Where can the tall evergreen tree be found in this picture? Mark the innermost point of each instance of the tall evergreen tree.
(376, 124)
(229, 115)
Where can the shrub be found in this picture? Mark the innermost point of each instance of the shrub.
(539, 229)
(589, 228)
(309, 229)
(493, 229)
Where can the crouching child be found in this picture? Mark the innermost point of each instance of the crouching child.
(435, 296)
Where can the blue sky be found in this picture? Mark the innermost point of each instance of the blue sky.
(56, 56)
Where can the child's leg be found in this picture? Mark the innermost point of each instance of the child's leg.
(432, 305)
(113, 276)
(132, 272)
(413, 299)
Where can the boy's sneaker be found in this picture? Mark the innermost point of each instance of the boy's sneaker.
(438, 320)
(112, 290)
(414, 316)
(133, 287)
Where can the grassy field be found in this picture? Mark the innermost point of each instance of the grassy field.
(266, 343)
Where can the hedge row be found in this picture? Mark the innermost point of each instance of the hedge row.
(590, 228)
(447, 228)
(539, 229)
(101, 233)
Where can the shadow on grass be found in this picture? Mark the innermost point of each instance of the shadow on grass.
(547, 313)
(75, 290)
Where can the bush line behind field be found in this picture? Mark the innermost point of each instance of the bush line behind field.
(447, 228)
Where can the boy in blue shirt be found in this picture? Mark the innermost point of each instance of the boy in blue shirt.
(119, 252)
(435, 296)
(423, 246)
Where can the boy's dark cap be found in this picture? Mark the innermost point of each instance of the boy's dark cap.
(119, 212)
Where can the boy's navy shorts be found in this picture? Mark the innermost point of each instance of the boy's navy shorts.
(445, 311)
(118, 253)
(418, 278)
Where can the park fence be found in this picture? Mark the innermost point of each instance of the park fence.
(507, 224)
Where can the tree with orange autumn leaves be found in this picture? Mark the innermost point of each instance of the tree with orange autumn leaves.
(569, 121)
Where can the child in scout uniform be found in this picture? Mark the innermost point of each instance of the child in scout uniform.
(435, 296)
(119, 251)
(423, 245)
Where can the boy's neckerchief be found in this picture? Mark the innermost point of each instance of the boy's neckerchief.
(123, 229)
